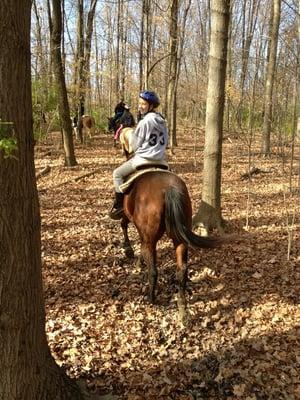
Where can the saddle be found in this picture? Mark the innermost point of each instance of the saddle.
(141, 170)
(153, 164)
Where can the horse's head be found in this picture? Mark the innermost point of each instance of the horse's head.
(125, 141)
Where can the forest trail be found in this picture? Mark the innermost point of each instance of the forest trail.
(244, 341)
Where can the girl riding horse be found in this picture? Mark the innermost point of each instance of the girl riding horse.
(149, 142)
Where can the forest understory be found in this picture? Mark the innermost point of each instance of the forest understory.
(243, 341)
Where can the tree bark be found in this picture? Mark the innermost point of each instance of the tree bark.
(87, 55)
(119, 38)
(98, 68)
(171, 107)
(42, 70)
(147, 41)
(123, 64)
(266, 136)
(141, 52)
(64, 111)
(79, 63)
(209, 213)
(27, 369)
(248, 32)
(298, 80)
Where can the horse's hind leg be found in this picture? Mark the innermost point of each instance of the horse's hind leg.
(126, 244)
(148, 252)
(181, 275)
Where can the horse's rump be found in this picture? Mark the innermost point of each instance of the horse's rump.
(165, 192)
(88, 125)
(148, 190)
(125, 139)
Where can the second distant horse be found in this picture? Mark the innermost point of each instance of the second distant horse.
(87, 127)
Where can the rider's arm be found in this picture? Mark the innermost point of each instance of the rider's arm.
(139, 135)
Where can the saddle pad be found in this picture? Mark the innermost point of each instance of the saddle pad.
(132, 177)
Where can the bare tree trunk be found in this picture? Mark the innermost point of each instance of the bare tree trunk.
(298, 80)
(41, 70)
(141, 55)
(179, 61)
(248, 32)
(294, 129)
(254, 87)
(182, 40)
(40, 47)
(63, 51)
(98, 64)
(147, 43)
(117, 66)
(229, 75)
(296, 133)
(64, 111)
(80, 67)
(123, 49)
(209, 213)
(28, 371)
(50, 71)
(110, 57)
(87, 55)
(173, 72)
(266, 136)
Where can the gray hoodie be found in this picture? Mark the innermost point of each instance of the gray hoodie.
(150, 138)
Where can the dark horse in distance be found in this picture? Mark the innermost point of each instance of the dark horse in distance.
(158, 202)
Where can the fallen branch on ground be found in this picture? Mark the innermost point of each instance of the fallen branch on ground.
(76, 179)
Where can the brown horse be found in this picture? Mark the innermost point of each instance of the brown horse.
(159, 202)
(85, 129)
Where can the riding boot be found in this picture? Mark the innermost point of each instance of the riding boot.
(117, 209)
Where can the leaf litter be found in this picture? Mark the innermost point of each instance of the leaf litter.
(243, 341)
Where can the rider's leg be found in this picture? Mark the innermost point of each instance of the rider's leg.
(119, 175)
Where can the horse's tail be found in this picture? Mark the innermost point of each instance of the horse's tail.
(176, 222)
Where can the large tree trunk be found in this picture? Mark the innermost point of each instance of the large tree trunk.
(64, 111)
(28, 371)
(209, 213)
(266, 136)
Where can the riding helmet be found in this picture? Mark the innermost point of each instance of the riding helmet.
(150, 97)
